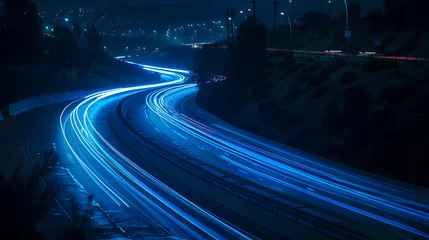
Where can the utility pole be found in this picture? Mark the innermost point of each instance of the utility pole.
(232, 15)
(275, 12)
(254, 7)
(227, 25)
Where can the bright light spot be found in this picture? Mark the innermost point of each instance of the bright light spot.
(249, 8)
(229, 18)
(282, 13)
(241, 11)
(66, 19)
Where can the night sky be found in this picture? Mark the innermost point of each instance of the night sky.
(205, 10)
(298, 5)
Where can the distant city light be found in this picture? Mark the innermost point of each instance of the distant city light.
(282, 13)
(47, 27)
(66, 19)
(249, 8)
(229, 18)
(241, 11)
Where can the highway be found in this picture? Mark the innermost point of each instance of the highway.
(368, 205)
(152, 157)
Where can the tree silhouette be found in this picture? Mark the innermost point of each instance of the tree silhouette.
(355, 12)
(314, 19)
(24, 203)
(77, 30)
(93, 38)
(22, 29)
(248, 60)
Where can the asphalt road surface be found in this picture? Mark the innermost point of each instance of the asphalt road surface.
(163, 167)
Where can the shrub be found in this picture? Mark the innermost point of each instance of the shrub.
(378, 65)
(357, 103)
(318, 80)
(269, 111)
(396, 95)
(333, 124)
(329, 70)
(24, 203)
(306, 73)
(262, 91)
(347, 78)
(293, 94)
(320, 92)
(289, 58)
(332, 108)
(310, 60)
(295, 67)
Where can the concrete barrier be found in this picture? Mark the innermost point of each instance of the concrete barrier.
(40, 101)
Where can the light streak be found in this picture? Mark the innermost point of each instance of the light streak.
(350, 191)
(100, 160)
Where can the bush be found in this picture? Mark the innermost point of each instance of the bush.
(333, 124)
(332, 108)
(357, 103)
(379, 65)
(310, 60)
(262, 91)
(318, 80)
(306, 73)
(329, 70)
(294, 67)
(24, 203)
(347, 78)
(320, 92)
(396, 95)
(289, 58)
(269, 111)
(293, 94)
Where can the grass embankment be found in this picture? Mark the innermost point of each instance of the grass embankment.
(375, 121)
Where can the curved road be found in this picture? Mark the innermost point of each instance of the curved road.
(153, 158)
(368, 205)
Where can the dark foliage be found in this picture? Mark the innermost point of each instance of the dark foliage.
(25, 203)
(314, 19)
(20, 28)
(357, 102)
(289, 58)
(378, 65)
(77, 30)
(248, 57)
(355, 12)
(347, 78)
(93, 38)
(262, 90)
(306, 73)
(396, 95)
(409, 46)
(209, 62)
(221, 99)
(320, 92)
(269, 112)
(293, 94)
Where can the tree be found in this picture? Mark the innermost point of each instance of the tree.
(355, 12)
(314, 19)
(93, 38)
(22, 29)
(248, 59)
(24, 203)
(77, 30)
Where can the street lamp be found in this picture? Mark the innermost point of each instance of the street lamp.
(347, 33)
